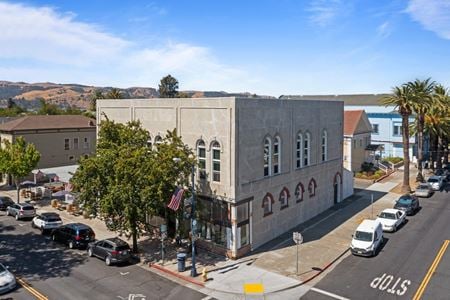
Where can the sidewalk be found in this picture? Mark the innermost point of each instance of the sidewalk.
(326, 240)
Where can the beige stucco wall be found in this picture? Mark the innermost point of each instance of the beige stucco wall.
(285, 118)
(50, 144)
(240, 125)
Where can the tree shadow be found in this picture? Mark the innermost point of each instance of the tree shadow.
(36, 257)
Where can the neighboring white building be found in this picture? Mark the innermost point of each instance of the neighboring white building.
(386, 122)
(265, 165)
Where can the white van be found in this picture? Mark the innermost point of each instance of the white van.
(368, 238)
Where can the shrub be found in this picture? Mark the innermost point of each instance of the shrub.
(365, 166)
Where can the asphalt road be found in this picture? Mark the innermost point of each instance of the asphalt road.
(400, 269)
(51, 270)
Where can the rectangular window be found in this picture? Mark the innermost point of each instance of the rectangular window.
(66, 144)
(216, 165)
(266, 159)
(86, 143)
(75, 143)
(306, 152)
(202, 161)
(397, 130)
(242, 212)
(375, 129)
(298, 154)
(244, 232)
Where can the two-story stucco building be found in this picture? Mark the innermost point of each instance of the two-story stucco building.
(265, 165)
(60, 139)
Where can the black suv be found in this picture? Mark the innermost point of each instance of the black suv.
(76, 235)
(5, 202)
(113, 250)
(408, 203)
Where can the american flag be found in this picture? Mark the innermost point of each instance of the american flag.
(176, 199)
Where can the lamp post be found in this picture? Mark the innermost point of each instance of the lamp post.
(193, 220)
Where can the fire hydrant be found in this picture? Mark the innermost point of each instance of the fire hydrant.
(204, 275)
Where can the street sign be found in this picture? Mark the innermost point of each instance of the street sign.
(297, 237)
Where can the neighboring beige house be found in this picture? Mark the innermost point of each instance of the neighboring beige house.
(357, 138)
(265, 165)
(61, 139)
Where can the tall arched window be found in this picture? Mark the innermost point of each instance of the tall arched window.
(267, 156)
(149, 142)
(312, 186)
(201, 156)
(298, 151)
(284, 198)
(267, 204)
(216, 161)
(299, 191)
(307, 149)
(324, 145)
(158, 140)
(276, 155)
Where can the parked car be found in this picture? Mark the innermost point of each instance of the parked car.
(423, 190)
(21, 211)
(391, 219)
(75, 235)
(408, 203)
(5, 202)
(7, 280)
(367, 239)
(46, 221)
(436, 182)
(113, 250)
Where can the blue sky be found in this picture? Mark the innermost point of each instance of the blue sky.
(269, 47)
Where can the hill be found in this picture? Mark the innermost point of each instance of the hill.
(28, 95)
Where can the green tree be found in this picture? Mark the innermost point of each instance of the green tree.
(114, 94)
(48, 108)
(421, 101)
(168, 87)
(97, 94)
(126, 181)
(403, 101)
(18, 159)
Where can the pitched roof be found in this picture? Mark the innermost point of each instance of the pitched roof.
(48, 122)
(351, 120)
(356, 99)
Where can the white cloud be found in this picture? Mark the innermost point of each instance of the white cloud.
(384, 30)
(324, 12)
(42, 44)
(434, 15)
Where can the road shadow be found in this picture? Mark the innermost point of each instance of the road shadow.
(34, 256)
(326, 221)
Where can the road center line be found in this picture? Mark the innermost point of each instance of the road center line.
(431, 271)
(328, 294)
(31, 290)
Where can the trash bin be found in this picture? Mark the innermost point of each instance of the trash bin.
(181, 258)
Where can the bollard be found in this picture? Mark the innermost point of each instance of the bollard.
(204, 275)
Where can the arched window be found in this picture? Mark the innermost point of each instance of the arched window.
(216, 161)
(201, 156)
(149, 142)
(267, 204)
(307, 149)
(267, 156)
(158, 140)
(312, 186)
(299, 191)
(324, 145)
(298, 151)
(284, 198)
(276, 155)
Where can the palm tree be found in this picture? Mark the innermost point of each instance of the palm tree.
(94, 97)
(421, 91)
(403, 101)
(114, 93)
(441, 122)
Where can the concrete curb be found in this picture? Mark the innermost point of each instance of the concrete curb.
(173, 273)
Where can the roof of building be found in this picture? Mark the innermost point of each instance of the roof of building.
(351, 120)
(48, 122)
(357, 99)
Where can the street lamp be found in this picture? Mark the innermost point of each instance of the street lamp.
(193, 220)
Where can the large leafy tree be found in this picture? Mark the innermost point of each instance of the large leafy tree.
(168, 87)
(403, 101)
(421, 102)
(18, 159)
(126, 180)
